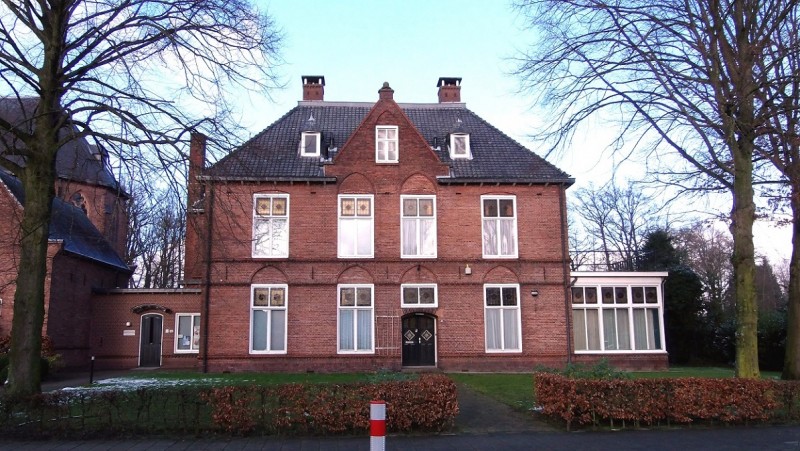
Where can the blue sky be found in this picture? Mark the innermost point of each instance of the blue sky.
(357, 45)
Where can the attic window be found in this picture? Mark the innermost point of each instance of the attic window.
(309, 144)
(459, 146)
(386, 144)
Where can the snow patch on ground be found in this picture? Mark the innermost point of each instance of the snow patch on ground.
(130, 384)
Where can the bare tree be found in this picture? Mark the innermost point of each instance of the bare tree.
(779, 143)
(134, 74)
(156, 237)
(683, 77)
(617, 219)
(708, 251)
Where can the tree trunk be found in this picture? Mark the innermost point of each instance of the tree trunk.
(743, 216)
(24, 378)
(791, 362)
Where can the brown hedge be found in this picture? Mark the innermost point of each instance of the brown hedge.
(425, 404)
(653, 401)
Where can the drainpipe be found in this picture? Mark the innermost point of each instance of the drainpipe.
(565, 266)
(207, 281)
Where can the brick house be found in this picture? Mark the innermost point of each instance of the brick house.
(359, 236)
(351, 236)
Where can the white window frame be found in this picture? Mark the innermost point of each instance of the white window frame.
(303, 137)
(628, 306)
(497, 220)
(370, 218)
(269, 309)
(467, 155)
(269, 217)
(355, 308)
(194, 348)
(403, 287)
(517, 307)
(379, 140)
(417, 219)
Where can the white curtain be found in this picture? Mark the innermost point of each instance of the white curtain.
(346, 339)
(579, 329)
(364, 236)
(364, 330)
(623, 329)
(427, 237)
(508, 240)
(640, 329)
(510, 332)
(609, 330)
(493, 332)
(277, 330)
(490, 237)
(410, 237)
(259, 330)
(593, 329)
(347, 237)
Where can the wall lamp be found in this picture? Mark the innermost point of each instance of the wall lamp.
(534, 292)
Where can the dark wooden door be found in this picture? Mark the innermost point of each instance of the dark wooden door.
(419, 340)
(150, 350)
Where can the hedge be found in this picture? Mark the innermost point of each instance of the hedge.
(656, 401)
(427, 403)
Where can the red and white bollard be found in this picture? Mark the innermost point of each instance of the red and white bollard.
(377, 426)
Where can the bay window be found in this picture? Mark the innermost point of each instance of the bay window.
(621, 318)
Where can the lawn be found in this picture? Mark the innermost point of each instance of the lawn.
(516, 390)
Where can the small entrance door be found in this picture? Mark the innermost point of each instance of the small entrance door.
(150, 350)
(419, 340)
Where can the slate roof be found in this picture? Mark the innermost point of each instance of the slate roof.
(71, 225)
(77, 160)
(273, 154)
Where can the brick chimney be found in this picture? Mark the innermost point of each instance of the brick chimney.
(386, 93)
(449, 89)
(197, 162)
(195, 211)
(313, 87)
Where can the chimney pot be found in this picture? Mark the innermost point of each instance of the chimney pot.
(449, 89)
(313, 87)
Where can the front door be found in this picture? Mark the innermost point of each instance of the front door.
(150, 350)
(419, 340)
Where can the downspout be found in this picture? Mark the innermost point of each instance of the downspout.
(565, 267)
(207, 281)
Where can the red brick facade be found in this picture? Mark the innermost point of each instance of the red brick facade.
(313, 270)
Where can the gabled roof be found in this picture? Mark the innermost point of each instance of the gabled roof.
(77, 160)
(496, 158)
(71, 225)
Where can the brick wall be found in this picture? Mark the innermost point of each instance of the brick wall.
(115, 344)
(68, 311)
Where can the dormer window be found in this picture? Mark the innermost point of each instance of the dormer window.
(459, 146)
(309, 144)
(386, 144)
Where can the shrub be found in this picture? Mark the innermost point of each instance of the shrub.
(650, 401)
(424, 404)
